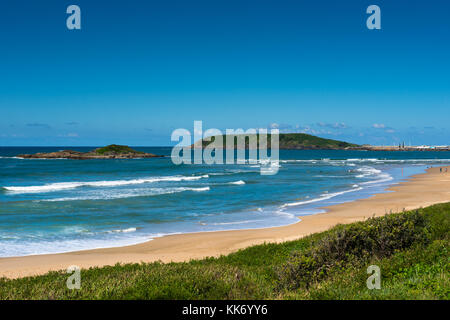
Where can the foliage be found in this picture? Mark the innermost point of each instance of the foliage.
(115, 149)
(358, 242)
(288, 141)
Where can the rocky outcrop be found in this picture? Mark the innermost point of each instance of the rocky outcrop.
(109, 152)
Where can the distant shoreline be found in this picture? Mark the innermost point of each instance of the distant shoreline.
(419, 191)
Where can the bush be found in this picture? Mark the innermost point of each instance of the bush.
(356, 243)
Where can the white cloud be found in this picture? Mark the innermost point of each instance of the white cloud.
(337, 125)
(378, 125)
(274, 125)
(69, 135)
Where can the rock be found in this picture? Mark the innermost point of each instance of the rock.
(108, 152)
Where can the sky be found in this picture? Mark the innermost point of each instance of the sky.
(137, 70)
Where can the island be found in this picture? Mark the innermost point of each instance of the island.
(112, 151)
(297, 141)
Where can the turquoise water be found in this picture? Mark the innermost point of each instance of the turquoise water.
(49, 206)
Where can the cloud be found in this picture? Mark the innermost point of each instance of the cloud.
(274, 125)
(69, 135)
(336, 125)
(38, 125)
(283, 127)
(308, 130)
(314, 129)
(378, 126)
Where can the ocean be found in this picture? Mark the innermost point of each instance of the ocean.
(60, 205)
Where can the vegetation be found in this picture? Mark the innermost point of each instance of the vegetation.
(291, 141)
(411, 249)
(115, 149)
(306, 141)
(358, 243)
(112, 151)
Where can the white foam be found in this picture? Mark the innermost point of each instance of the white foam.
(123, 230)
(324, 196)
(58, 186)
(368, 172)
(128, 194)
(240, 182)
(198, 189)
(233, 222)
(383, 178)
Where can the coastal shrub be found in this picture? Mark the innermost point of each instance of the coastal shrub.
(420, 272)
(356, 243)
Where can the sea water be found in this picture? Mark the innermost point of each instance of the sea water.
(60, 205)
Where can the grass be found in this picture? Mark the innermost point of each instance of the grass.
(411, 249)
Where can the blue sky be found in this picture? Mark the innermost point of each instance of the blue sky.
(139, 69)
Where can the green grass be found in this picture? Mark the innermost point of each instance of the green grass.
(411, 249)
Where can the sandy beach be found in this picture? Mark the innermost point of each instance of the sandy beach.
(419, 191)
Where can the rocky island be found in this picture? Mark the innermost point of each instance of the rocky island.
(112, 151)
(293, 141)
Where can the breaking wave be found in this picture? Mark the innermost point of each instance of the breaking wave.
(58, 186)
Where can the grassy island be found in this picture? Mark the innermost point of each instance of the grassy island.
(301, 141)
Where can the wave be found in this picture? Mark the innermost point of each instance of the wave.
(51, 246)
(123, 230)
(11, 158)
(367, 172)
(240, 182)
(321, 198)
(58, 186)
(231, 223)
(124, 195)
(383, 178)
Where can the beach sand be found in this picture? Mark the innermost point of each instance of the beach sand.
(419, 191)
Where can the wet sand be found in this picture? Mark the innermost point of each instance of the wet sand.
(419, 191)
